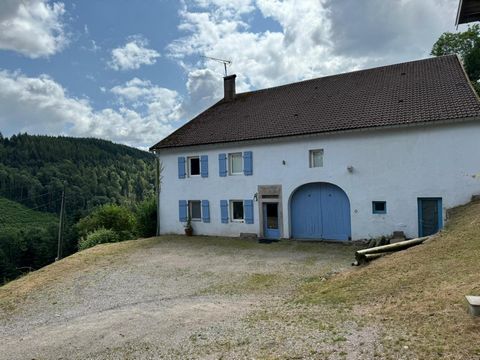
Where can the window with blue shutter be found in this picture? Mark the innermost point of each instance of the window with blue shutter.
(182, 210)
(224, 211)
(204, 166)
(248, 209)
(222, 164)
(205, 211)
(248, 163)
(181, 167)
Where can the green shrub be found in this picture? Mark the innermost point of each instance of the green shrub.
(111, 217)
(99, 236)
(146, 215)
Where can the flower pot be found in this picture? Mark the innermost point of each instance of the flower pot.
(189, 231)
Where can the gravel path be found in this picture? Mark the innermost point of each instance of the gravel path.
(176, 298)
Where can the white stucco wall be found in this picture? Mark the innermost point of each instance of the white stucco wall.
(395, 165)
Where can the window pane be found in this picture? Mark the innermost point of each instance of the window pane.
(317, 158)
(236, 165)
(195, 210)
(237, 208)
(194, 166)
(379, 206)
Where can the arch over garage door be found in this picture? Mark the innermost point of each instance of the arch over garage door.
(320, 211)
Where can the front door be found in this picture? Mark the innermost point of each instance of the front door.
(271, 228)
(429, 216)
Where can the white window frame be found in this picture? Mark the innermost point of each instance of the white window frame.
(311, 157)
(231, 211)
(190, 202)
(189, 167)
(230, 162)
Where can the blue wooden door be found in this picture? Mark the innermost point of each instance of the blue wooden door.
(430, 219)
(320, 211)
(271, 229)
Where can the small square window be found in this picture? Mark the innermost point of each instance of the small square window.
(236, 209)
(316, 158)
(379, 207)
(235, 163)
(195, 209)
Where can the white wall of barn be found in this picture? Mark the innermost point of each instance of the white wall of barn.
(393, 165)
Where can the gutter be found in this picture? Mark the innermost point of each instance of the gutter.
(316, 134)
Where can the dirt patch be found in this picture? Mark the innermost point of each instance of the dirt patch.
(174, 297)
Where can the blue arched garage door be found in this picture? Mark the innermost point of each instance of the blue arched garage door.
(320, 211)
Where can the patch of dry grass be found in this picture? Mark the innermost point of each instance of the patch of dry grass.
(247, 284)
(100, 255)
(419, 293)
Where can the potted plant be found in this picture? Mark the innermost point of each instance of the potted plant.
(188, 227)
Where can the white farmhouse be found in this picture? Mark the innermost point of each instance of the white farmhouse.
(351, 156)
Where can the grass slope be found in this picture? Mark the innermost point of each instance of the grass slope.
(16, 216)
(417, 296)
(408, 305)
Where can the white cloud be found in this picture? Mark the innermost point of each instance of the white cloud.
(39, 105)
(260, 59)
(161, 103)
(313, 38)
(390, 30)
(316, 38)
(133, 55)
(33, 28)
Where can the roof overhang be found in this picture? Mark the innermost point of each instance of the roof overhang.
(279, 139)
(468, 11)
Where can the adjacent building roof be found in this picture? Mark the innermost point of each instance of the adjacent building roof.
(468, 11)
(416, 92)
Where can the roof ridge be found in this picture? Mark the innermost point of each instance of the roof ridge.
(432, 58)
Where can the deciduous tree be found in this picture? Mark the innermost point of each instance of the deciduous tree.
(466, 44)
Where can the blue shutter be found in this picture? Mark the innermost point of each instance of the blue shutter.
(248, 210)
(181, 167)
(204, 166)
(182, 210)
(248, 163)
(224, 211)
(205, 211)
(222, 164)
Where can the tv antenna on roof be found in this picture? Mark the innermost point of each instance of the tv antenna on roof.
(224, 62)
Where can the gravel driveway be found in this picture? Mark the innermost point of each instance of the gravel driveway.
(174, 297)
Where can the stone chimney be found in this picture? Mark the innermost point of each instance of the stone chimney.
(229, 87)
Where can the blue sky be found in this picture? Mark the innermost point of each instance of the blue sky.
(133, 71)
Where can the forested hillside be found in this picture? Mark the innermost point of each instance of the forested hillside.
(28, 239)
(33, 172)
(15, 216)
(33, 169)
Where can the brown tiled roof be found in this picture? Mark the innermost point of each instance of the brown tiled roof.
(415, 92)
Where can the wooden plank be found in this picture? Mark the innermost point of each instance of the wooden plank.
(364, 255)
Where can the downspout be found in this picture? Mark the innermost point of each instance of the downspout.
(157, 190)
